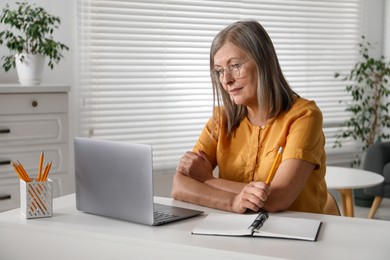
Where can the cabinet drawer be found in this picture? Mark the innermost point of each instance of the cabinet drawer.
(12, 104)
(14, 201)
(29, 157)
(33, 129)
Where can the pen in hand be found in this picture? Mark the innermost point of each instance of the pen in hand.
(259, 221)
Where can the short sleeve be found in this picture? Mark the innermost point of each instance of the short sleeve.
(305, 139)
(208, 139)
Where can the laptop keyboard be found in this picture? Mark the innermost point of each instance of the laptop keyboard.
(163, 216)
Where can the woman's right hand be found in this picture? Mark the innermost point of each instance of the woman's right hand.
(252, 197)
(196, 166)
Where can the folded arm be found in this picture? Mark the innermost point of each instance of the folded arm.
(194, 183)
(190, 190)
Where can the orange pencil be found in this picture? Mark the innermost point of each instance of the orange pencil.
(18, 171)
(23, 171)
(273, 168)
(40, 166)
(46, 172)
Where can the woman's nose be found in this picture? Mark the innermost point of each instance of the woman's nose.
(227, 78)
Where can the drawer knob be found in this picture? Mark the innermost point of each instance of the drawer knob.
(34, 103)
(5, 196)
(7, 162)
(5, 131)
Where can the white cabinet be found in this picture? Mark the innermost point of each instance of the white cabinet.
(32, 120)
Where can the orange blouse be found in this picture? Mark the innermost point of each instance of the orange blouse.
(248, 153)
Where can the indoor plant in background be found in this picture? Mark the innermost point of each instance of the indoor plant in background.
(369, 86)
(29, 38)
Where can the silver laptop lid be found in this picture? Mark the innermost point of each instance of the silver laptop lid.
(114, 179)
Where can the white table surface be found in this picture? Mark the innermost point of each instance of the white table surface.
(344, 180)
(351, 178)
(71, 234)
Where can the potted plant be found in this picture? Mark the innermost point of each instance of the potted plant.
(369, 86)
(29, 39)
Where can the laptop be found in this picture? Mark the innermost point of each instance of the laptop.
(115, 179)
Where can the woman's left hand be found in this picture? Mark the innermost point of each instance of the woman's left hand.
(196, 166)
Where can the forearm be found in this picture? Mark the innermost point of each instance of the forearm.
(190, 190)
(288, 183)
(226, 185)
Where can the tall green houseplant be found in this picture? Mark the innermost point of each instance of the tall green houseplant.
(368, 84)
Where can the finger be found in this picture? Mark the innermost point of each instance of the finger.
(202, 155)
(261, 186)
(251, 206)
(255, 195)
(182, 167)
(256, 200)
(187, 159)
(180, 170)
(243, 205)
(191, 155)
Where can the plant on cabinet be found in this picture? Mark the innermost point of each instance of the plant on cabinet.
(29, 38)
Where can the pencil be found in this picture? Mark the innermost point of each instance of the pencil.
(46, 172)
(18, 171)
(273, 168)
(23, 171)
(40, 166)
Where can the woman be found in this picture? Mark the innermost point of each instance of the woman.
(260, 113)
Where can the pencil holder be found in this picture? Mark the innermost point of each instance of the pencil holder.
(36, 199)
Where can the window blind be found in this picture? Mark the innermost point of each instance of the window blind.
(143, 65)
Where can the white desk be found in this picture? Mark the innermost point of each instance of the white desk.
(345, 179)
(71, 234)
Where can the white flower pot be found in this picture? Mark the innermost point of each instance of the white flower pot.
(31, 69)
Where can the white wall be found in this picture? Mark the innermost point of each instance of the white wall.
(374, 27)
(386, 30)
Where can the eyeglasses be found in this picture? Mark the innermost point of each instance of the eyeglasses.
(233, 70)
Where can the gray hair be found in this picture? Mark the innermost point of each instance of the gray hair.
(274, 94)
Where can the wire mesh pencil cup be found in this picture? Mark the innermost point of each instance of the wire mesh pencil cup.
(36, 199)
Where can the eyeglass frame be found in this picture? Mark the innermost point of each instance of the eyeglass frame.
(229, 69)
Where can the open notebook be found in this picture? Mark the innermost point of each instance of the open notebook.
(245, 225)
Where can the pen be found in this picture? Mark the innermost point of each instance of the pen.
(273, 168)
(259, 221)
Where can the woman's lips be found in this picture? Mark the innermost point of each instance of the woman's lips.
(234, 91)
